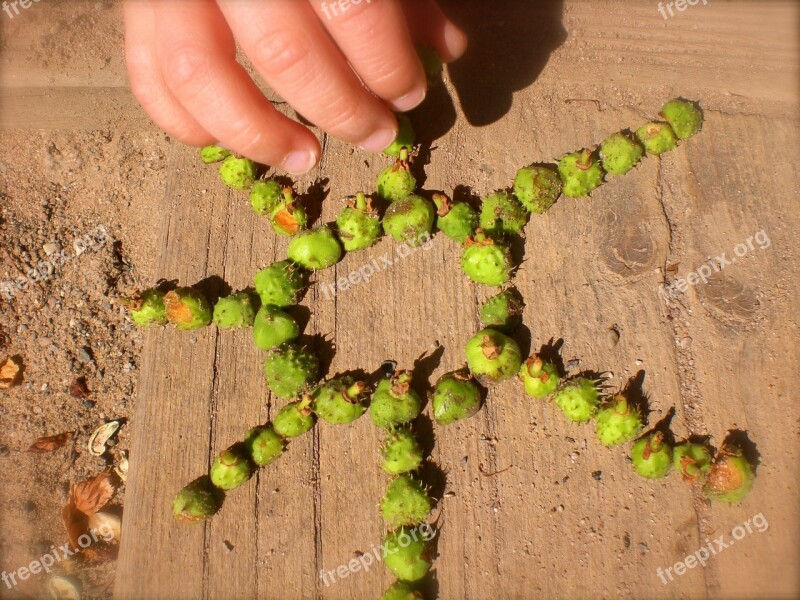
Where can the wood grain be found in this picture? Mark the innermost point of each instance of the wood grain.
(562, 516)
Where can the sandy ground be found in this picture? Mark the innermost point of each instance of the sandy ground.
(58, 186)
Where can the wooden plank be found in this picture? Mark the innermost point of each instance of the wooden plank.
(74, 108)
(590, 264)
(737, 335)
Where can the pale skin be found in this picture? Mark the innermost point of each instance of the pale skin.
(345, 66)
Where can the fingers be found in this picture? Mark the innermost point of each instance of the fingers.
(291, 49)
(146, 82)
(374, 37)
(197, 55)
(430, 26)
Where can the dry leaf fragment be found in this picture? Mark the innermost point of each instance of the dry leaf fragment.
(75, 522)
(78, 389)
(93, 494)
(10, 372)
(50, 443)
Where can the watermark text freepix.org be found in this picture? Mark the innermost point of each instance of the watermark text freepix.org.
(56, 555)
(376, 554)
(714, 265)
(7, 6)
(337, 8)
(712, 548)
(46, 269)
(680, 6)
(364, 273)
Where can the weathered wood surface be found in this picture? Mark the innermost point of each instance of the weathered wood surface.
(562, 517)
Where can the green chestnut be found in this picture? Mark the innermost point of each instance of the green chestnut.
(316, 249)
(235, 311)
(187, 309)
(274, 327)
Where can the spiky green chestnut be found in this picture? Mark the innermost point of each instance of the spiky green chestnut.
(731, 476)
(397, 182)
(493, 357)
(235, 311)
(405, 138)
(316, 249)
(619, 153)
(231, 468)
(340, 400)
(432, 64)
(657, 138)
(290, 369)
(539, 377)
(457, 221)
(684, 116)
(578, 399)
(264, 445)
(455, 396)
(394, 402)
(288, 217)
(147, 308)
(358, 225)
(281, 284)
(401, 452)
(213, 154)
(273, 327)
(238, 173)
(294, 419)
(400, 590)
(692, 460)
(406, 553)
(651, 456)
(537, 187)
(198, 501)
(617, 422)
(503, 311)
(410, 220)
(487, 261)
(581, 173)
(265, 195)
(187, 309)
(502, 214)
(405, 502)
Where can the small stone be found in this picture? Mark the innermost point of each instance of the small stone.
(613, 336)
(598, 475)
(42, 547)
(89, 403)
(85, 355)
(51, 248)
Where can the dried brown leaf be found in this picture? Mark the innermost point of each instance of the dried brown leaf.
(93, 494)
(50, 443)
(10, 373)
(75, 522)
(78, 389)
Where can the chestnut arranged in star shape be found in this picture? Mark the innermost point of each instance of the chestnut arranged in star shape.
(492, 356)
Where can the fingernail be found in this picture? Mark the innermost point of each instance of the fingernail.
(299, 162)
(409, 101)
(379, 141)
(455, 40)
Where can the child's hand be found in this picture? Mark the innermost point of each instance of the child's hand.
(314, 53)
